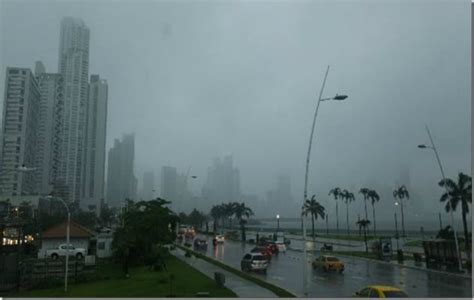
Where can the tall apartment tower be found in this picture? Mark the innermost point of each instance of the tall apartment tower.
(169, 186)
(49, 129)
(121, 182)
(94, 166)
(21, 108)
(74, 67)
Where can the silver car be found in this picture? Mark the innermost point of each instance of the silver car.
(254, 262)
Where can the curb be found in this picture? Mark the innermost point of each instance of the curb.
(399, 265)
(280, 292)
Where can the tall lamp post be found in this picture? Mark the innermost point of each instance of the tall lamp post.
(432, 147)
(67, 240)
(305, 194)
(278, 222)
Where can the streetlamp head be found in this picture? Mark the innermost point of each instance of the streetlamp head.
(193, 177)
(422, 146)
(278, 216)
(396, 203)
(340, 97)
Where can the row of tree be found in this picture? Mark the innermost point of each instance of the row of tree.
(226, 211)
(456, 194)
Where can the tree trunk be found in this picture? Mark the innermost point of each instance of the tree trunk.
(375, 226)
(358, 219)
(347, 217)
(365, 204)
(215, 225)
(403, 218)
(242, 227)
(312, 224)
(365, 240)
(466, 235)
(337, 218)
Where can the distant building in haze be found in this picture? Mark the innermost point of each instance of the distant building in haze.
(96, 130)
(21, 111)
(223, 182)
(74, 67)
(121, 181)
(148, 186)
(49, 129)
(169, 185)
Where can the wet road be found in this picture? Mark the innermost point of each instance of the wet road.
(285, 270)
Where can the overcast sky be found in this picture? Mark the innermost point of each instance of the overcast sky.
(199, 79)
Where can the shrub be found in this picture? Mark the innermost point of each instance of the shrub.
(47, 283)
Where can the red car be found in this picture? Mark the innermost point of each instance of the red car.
(273, 248)
(265, 252)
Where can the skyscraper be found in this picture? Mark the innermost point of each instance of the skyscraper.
(121, 181)
(223, 181)
(21, 108)
(169, 185)
(74, 67)
(148, 185)
(49, 129)
(94, 167)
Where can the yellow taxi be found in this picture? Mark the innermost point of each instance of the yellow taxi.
(380, 291)
(327, 263)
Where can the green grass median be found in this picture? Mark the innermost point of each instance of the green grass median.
(184, 281)
(275, 289)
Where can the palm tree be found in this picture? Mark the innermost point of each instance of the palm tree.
(364, 224)
(400, 194)
(229, 212)
(459, 193)
(374, 197)
(348, 198)
(216, 214)
(364, 192)
(314, 208)
(336, 192)
(241, 211)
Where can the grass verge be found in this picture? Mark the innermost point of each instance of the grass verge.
(365, 254)
(275, 289)
(181, 280)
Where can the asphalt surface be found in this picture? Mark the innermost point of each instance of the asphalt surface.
(285, 270)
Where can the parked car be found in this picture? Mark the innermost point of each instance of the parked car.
(254, 262)
(281, 247)
(220, 238)
(380, 291)
(263, 251)
(327, 263)
(62, 250)
(200, 244)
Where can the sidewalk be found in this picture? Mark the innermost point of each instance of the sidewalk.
(240, 286)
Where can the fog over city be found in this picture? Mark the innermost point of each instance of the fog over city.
(197, 80)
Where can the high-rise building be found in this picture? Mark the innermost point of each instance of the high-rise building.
(223, 182)
(74, 67)
(21, 109)
(148, 186)
(169, 185)
(49, 129)
(94, 166)
(121, 182)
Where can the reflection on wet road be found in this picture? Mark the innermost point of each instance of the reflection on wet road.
(285, 271)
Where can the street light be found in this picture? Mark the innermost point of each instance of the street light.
(433, 147)
(278, 222)
(305, 194)
(67, 240)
